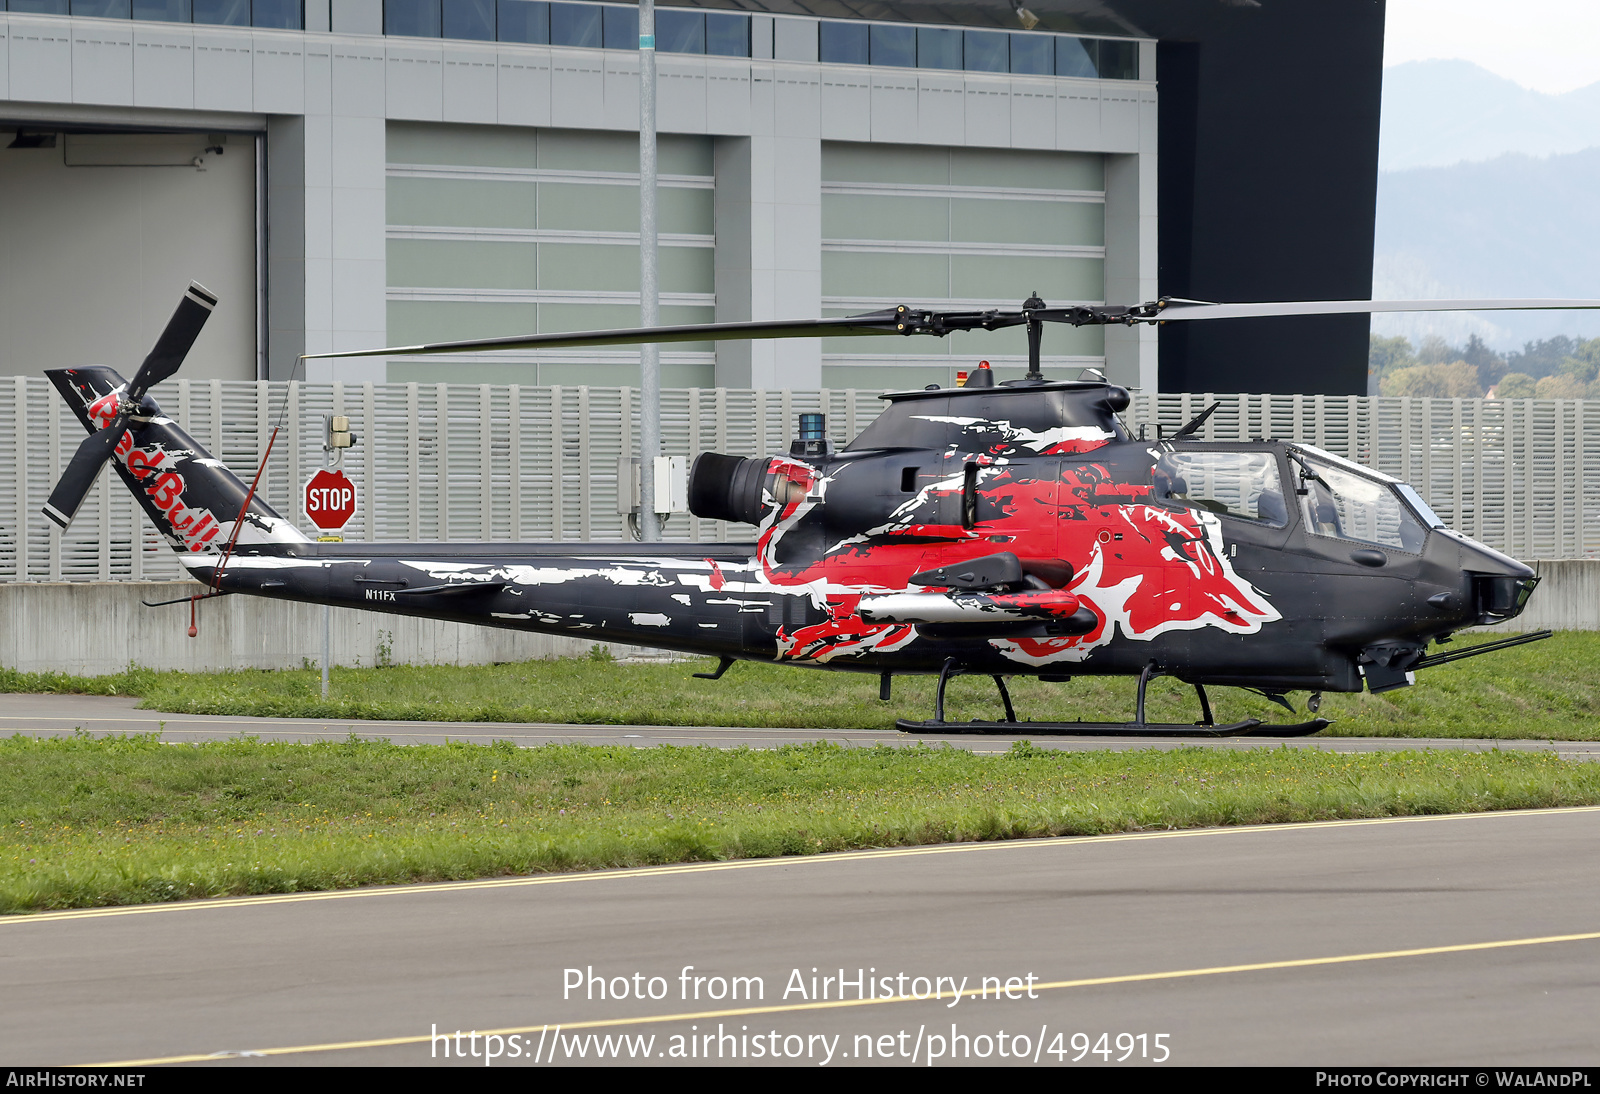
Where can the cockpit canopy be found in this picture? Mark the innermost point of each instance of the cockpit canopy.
(1343, 505)
(1336, 498)
(1236, 484)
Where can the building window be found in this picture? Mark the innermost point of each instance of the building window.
(162, 11)
(276, 14)
(938, 47)
(227, 13)
(679, 31)
(575, 25)
(987, 51)
(906, 46)
(727, 35)
(1119, 60)
(892, 44)
(407, 18)
(1032, 54)
(524, 21)
(1077, 57)
(622, 28)
(472, 19)
(101, 9)
(840, 43)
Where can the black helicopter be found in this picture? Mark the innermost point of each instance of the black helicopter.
(996, 529)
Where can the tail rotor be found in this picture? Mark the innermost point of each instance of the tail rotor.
(163, 360)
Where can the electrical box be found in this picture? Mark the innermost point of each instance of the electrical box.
(336, 432)
(671, 483)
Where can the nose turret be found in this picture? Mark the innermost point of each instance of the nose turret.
(1500, 585)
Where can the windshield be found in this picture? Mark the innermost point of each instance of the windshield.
(1422, 508)
(1352, 507)
(1234, 484)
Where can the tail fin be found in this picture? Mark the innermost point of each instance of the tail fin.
(191, 497)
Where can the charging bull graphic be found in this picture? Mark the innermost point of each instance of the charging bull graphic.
(1141, 570)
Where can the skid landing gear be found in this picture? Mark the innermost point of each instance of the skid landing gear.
(1139, 727)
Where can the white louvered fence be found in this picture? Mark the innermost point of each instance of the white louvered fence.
(490, 462)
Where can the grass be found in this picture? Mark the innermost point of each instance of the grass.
(87, 822)
(1545, 690)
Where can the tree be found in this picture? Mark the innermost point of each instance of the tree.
(1384, 354)
(1515, 385)
(1563, 385)
(1458, 380)
(1436, 351)
(1584, 362)
(1541, 358)
(1490, 365)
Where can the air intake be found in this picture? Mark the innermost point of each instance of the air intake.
(728, 488)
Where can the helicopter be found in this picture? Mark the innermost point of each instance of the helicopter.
(999, 529)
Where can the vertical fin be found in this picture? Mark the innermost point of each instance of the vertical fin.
(190, 496)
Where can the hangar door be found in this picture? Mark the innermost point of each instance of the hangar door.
(102, 233)
(958, 228)
(498, 231)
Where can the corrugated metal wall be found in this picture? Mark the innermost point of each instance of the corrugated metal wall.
(496, 462)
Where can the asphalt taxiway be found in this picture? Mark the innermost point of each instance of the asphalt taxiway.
(1460, 940)
(61, 715)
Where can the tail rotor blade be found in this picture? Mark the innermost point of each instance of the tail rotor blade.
(81, 472)
(174, 344)
(165, 359)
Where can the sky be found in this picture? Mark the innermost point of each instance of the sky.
(1551, 46)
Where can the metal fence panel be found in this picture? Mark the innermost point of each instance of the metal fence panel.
(502, 463)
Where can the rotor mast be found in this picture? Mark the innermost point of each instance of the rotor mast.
(1030, 308)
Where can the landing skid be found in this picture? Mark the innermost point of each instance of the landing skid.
(1250, 727)
(1206, 727)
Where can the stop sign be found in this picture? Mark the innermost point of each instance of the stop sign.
(330, 500)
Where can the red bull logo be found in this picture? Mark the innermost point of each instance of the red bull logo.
(154, 470)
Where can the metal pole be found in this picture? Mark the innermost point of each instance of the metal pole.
(327, 627)
(649, 295)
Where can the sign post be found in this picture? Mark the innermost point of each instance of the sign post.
(329, 503)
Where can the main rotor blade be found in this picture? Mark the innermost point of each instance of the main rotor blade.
(906, 321)
(175, 342)
(880, 322)
(83, 469)
(1172, 309)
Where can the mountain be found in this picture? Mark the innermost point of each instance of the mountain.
(1516, 225)
(1437, 113)
(1486, 188)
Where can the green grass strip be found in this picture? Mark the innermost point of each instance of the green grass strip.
(89, 822)
(1546, 690)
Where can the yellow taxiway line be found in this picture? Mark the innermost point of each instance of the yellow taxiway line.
(753, 864)
(742, 1012)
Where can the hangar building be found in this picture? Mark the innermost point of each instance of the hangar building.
(351, 173)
